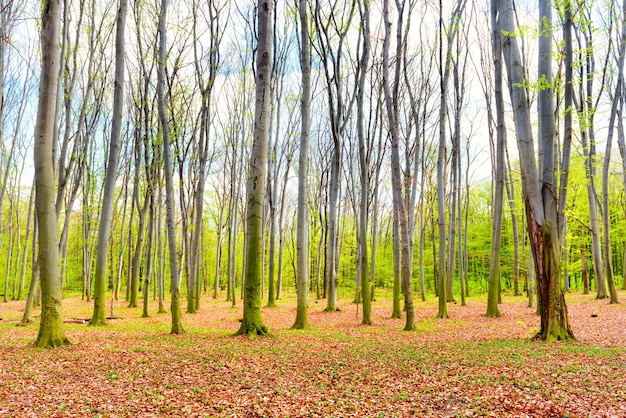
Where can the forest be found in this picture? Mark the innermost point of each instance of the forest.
(172, 171)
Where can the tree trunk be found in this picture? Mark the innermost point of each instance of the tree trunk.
(585, 274)
(539, 185)
(252, 323)
(51, 332)
(106, 212)
(496, 229)
(398, 202)
(364, 165)
(177, 327)
(302, 237)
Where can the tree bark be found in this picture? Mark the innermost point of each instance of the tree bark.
(252, 322)
(177, 327)
(302, 238)
(540, 193)
(106, 212)
(496, 229)
(51, 332)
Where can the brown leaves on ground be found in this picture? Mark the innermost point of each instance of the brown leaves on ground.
(468, 365)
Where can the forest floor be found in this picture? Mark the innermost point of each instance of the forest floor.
(468, 365)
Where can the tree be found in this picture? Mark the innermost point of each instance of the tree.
(539, 182)
(252, 322)
(104, 232)
(177, 327)
(496, 237)
(400, 208)
(364, 165)
(332, 30)
(302, 241)
(51, 332)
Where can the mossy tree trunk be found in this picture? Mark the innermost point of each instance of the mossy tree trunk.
(545, 221)
(252, 322)
(51, 332)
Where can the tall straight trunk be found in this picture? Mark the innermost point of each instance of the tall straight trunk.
(364, 165)
(302, 234)
(106, 212)
(51, 332)
(391, 102)
(606, 215)
(252, 323)
(177, 327)
(441, 160)
(496, 229)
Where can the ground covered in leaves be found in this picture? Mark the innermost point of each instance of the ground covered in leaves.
(465, 366)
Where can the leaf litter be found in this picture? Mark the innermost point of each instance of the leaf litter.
(465, 366)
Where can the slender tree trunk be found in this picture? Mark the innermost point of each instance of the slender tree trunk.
(364, 165)
(34, 279)
(302, 237)
(399, 204)
(496, 229)
(106, 212)
(149, 258)
(177, 327)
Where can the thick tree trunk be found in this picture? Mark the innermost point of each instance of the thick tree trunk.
(51, 332)
(540, 193)
(252, 322)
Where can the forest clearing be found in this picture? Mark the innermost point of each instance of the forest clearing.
(469, 365)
